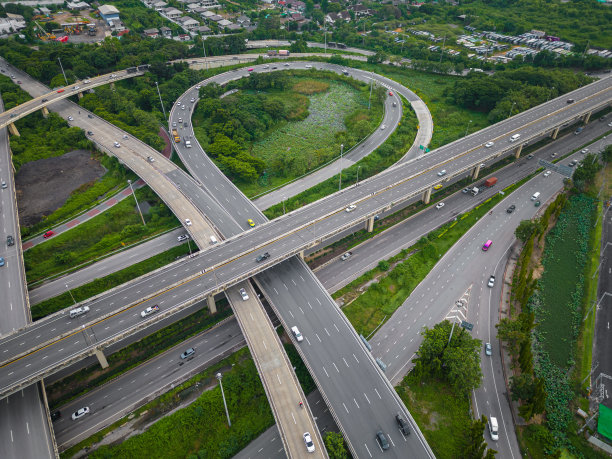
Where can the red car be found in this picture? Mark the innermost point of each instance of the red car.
(250, 69)
(48, 234)
(390, 93)
(60, 90)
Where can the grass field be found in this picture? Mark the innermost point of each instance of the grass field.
(111, 230)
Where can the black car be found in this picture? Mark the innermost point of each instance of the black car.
(44, 100)
(89, 133)
(90, 116)
(402, 424)
(382, 440)
(262, 257)
(56, 415)
(511, 209)
(9, 240)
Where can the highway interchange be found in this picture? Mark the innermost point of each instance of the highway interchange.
(322, 226)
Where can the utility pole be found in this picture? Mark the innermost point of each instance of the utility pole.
(442, 53)
(62, 67)
(220, 377)
(510, 113)
(340, 176)
(371, 82)
(358, 167)
(160, 100)
(73, 300)
(205, 58)
(137, 205)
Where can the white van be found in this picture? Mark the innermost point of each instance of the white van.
(515, 137)
(78, 311)
(187, 143)
(213, 240)
(493, 429)
(535, 196)
(297, 334)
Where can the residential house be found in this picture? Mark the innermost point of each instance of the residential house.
(210, 4)
(172, 13)
(202, 30)
(207, 14)
(187, 22)
(296, 5)
(151, 33)
(215, 17)
(78, 6)
(332, 18)
(10, 25)
(360, 10)
(233, 27)
(182, 37)
(165, 32)
(297, 17)
(159, 6)
(192, 6)
(109, 13)
(243, 20)
(224, 23)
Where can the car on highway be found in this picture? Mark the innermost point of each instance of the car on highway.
(486, 245)
(187, 222)
(182, 237)
(266, 66)
(465, 190)
(383, 127)
(117, 144)
(350, 208)
(297, 334)
(286, 64)
(382, 440)
(530, 155)
(439, 205)
(346, 256)
(198, 87)
(570, 101)
(308, 66)
(90, 133)
(70, 118)
(390, 93)
(192, 100)
(10, 241)
(80, 413)
(60, 90)
(250, 69)
(18, 81)
(56, 415)
(182, 107)
(4, 185)
(89, 115)
(2, 263)
(48, 234)
(76, 87)
(180, 120)
(174, 124)
(610, 124)
(537, 204)
(491, 282)
(402, 424)
(579, 130)
(547, 173)
(438, 186)
(244, 294)
(511, 209)
(584, 151)
(442, 173)
(125, 136)
(310, 447)
(188, 353)
(13, 77)
(572, 163)
(86, 81)
(113, 76)
(262, 257)
(251, 222)
(150, 310)
(488, 350)
(489, 144)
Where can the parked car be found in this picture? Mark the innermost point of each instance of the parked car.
(80, 413)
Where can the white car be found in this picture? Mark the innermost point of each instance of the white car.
(182, 107)
(382, 128)
(308, 66)
(309, 444)
(350, 208)
(80, 413)
(113, 76)
(442, 172)
(117, 144)
(187, 222)
(150, 310)
(244, 294)
(192, 100)
(76, 87)
(70, 118)
(198, 87)
(584, 151)
(489, 144)
(439, 205)
(178, 102)
(86, 81)
(183, 237)
(491, 282)
(297, 334)
(547, 173)
(180, 120)
(266, 66)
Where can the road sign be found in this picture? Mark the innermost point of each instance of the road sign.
(467, 325)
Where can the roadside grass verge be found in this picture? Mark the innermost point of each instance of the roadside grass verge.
(117, 227)
(57, 303)
(441, 414)
(368, 309)
(201, 427)
(86, 379)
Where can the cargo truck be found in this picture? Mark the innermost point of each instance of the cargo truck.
(177, 138)
(490, 182)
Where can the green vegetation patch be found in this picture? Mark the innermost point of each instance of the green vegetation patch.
(111, 230)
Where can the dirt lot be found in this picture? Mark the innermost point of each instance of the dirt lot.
(44, 185)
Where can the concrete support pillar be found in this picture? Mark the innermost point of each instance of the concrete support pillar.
(301, 254)
(588, 117)
(13, 129)
(555, 133)
(212, 306)
(427, 195)
(517, 155)
(101, 358)
(80, 95)
(475, 172)
(112, 85)
(369, 224)
(45, 112)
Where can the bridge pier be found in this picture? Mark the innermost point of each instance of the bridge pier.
(588, 117)
(555, 133)
(45, 112)
(301, 254)
(517, 155)
(80, 95)
(427, 195)
(13, 130)
(369, 224)
(475, 172)
(112, 85)
(101, 357)
(210, 302)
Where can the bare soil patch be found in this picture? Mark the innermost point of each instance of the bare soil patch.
(43, 186)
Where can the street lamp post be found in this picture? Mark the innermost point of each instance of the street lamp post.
(220, 377)
(62, 67)
(510, 113)
(550, 93)
(205, 58)
(358, 167)
(73, 300)
(137, 205)
(284, 197)
(467, 127)
(160, 100)
(371, 83)
(340, 176)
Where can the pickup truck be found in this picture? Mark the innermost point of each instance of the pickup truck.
(346, 256)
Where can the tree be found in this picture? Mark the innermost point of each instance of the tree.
(334, 443)
(474, 444)
(511, 332)
(525, 230)
(606, 155)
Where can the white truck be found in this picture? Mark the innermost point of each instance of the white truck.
(474, 191)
